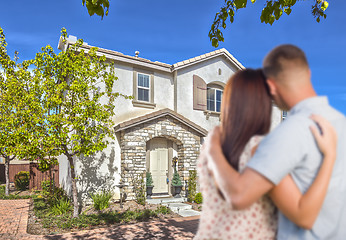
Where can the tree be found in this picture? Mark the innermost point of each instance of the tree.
(271, 12)
(18, 108)
(78, 101)
(98, 7)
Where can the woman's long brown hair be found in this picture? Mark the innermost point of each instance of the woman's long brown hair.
(245, 111)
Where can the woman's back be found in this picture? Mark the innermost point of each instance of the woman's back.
(218, 219)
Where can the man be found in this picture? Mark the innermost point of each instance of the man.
(289, 149)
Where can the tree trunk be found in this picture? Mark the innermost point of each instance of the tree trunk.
(74, 186)
(7, 176)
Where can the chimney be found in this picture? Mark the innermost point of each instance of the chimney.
(136, 54)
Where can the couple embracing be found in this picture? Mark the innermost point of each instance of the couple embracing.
(299, 168)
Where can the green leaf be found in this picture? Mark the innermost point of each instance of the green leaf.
(277, 13)
(288, 11)
(240, 3)
(215, 42)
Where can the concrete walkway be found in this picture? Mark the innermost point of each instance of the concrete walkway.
(14, 218)
(177, 205)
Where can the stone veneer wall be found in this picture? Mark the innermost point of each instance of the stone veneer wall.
(133, 147)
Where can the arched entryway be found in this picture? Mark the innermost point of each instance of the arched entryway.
(179, 138)
(160, 152)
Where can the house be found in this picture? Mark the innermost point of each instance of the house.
(173, 109)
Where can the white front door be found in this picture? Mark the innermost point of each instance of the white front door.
(159, 164)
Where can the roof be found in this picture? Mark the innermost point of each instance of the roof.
(118, 56)
(203, 57)
(157, 114)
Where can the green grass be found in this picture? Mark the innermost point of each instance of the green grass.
(12, 196)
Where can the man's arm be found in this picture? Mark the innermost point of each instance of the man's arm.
(239, 189)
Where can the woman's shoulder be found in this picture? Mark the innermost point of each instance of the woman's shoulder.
(254, 141)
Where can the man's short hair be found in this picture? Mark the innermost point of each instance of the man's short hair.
(282, 57)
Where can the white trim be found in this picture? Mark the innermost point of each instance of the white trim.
(215, 100)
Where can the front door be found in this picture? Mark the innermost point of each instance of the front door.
(159, 165)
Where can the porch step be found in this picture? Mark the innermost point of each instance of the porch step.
(183, 209)
(161, 196)
(177, 207)
(165, 200)
(189, 213)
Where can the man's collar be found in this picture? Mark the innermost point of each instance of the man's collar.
(309, 102)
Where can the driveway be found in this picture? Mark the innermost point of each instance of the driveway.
(14, 220)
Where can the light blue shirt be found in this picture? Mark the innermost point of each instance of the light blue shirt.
(291, 148)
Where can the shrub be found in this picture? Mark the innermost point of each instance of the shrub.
(61, 207)
(21, 180)
(192, 185)
(149, 181)
(51, 193)
(2, 190)
(163, 210)
(176, 181)
(101, 200)
(198, 198)
(139, 189)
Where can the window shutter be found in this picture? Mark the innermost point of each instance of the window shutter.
(199, 93)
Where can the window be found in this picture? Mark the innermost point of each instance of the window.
(143, 87)
(214, 97)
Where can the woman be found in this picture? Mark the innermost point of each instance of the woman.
(245, 118)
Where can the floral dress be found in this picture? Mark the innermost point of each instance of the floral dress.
(219, 221)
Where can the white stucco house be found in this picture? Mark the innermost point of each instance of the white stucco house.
(173, 109)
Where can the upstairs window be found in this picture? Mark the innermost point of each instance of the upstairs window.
(214, 97)
(143, 85)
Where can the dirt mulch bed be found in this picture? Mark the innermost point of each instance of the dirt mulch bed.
(36, 227)
(195, 206)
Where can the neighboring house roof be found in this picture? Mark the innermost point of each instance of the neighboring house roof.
(160, 113)
(110, 54)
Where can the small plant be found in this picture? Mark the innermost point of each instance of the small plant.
(198, 198)
(176, 181)
(51, 193)
(61, 207)
(163, 210)
(2, 190)
(21, 180)
(192, 185)
(139, 189)
(149, 181)
(101, 200)
(53, 222)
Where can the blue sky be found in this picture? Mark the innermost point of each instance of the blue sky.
(172, 31)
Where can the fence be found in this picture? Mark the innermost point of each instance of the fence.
(36, 176)
(14, 169)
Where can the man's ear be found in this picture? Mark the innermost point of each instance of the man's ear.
(272, 86)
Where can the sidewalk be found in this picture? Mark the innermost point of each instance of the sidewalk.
(14, 218)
